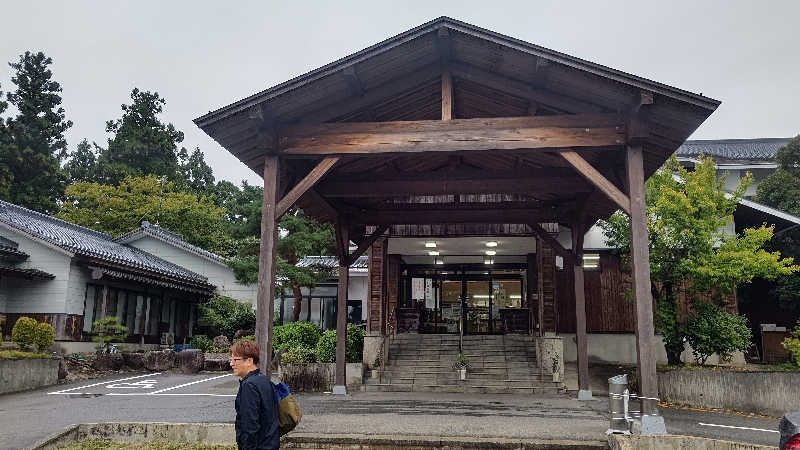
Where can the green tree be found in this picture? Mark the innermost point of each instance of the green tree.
(197, 176)
(6, 177)
(119, 209)
(35, 145)
(781, 190)
(225, 315)
(687, 212)
(142, 143)
(82, 164)
(300, 236)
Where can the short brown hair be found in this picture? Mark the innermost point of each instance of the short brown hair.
(246, 349)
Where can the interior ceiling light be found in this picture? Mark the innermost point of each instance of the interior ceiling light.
(491, 244)
(430, 245)
(491, 252)
(433, 253)
(488, 261)
(439, 261)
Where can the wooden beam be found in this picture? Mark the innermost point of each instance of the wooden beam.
(314, 200)
(491, 214)
(580, 306)
(552, 242)
(640, 270)
(550, 132)
(304, 185)
(597, 179)
(266, 265)
(353, 81)
(342, 239)
(366, 243)
(447, 95)
(522, 89)
(435, 186)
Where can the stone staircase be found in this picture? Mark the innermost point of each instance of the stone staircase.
(499, 364)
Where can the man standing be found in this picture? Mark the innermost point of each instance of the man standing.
(256, 404)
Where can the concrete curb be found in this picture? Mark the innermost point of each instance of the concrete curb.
(676, 442)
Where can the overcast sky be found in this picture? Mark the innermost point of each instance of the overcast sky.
(201, 55)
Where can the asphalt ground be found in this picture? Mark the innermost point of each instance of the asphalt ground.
(168, 397)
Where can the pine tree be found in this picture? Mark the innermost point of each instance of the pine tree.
(82, 164)
(35, 137)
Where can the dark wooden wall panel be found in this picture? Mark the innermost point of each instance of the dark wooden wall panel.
(376, 310)
(392, 289)
(548, 289)
(68, 327)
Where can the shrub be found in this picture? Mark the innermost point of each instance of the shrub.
(225, 315)
(792, 344)
(294, 335)
(713, 330)
(325, 350)
(298, 355)
(106, 330)
(202, 342)
(245, 338)
(24, 333)
(44, 337)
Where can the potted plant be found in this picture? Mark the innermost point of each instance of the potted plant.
(556, 373)
(376, 367)
(461, 365)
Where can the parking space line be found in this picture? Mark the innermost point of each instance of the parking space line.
(189, 384)
(738, 428)
(68, 391)
(196, 394)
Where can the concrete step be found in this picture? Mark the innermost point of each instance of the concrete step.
(462, 389)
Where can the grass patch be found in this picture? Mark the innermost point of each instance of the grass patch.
(16, 354)
(105, 444)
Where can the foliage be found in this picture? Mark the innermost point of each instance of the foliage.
(792, 344)
(249, 337)
(462, 362)
(16, 354)
(82, 164)
(225, 315)
(294, 335)
(202, 342)
(325, 349)
(298, 355)
(687, 212)
(44, 336)
(714, 330)
(781, 190)
(142, 144)
(118, 209)
(32, 144)
(196, 175)
(24, 333)
(106, 330)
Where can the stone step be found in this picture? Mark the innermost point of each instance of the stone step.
(462, 389)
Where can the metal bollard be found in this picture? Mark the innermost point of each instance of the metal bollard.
(618, 404)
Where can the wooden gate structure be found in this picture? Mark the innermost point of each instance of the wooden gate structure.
(448, 123)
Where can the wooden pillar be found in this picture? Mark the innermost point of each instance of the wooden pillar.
(584, 393)
(266, 265)
(640, 261)
(343, 239)
(105, 302)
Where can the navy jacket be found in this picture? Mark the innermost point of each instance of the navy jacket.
(256, 413)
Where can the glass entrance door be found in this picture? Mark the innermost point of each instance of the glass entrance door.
(450, 305)
(478, 304)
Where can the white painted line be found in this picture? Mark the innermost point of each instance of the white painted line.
(198, 394)
(105, 382)
(737, 428)
(189, 384)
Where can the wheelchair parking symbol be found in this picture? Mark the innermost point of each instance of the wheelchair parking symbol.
(143, 384)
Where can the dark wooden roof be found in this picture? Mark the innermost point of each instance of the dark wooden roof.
(494, 76)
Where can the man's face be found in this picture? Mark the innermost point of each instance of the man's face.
(241, 366)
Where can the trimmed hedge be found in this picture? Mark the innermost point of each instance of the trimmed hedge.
(325, 350)
(295, 335)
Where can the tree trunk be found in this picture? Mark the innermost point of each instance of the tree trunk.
(298, 303)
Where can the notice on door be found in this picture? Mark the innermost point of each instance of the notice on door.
(418, 288)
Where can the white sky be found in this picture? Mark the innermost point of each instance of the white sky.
(201, 55)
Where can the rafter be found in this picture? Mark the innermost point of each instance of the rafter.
(304, 185)
(597, 179)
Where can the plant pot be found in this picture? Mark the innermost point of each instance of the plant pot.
(374, 373)
(462, 374)
(556, 377)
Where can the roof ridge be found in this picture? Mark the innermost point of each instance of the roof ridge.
(55, 219)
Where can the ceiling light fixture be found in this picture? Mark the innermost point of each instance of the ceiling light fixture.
(488, 261)
(439, 261)
(430, 245)
(491, 252)
(433, 253)
(491, 244)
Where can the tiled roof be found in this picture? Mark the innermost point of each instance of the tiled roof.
(764, 149)
(25, 273)
(332, 262)
(164, 235)
(90, 243)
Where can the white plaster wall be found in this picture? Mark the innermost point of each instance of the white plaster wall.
(36, 296)
(217, 273)
(76, 289)
(357, 290)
